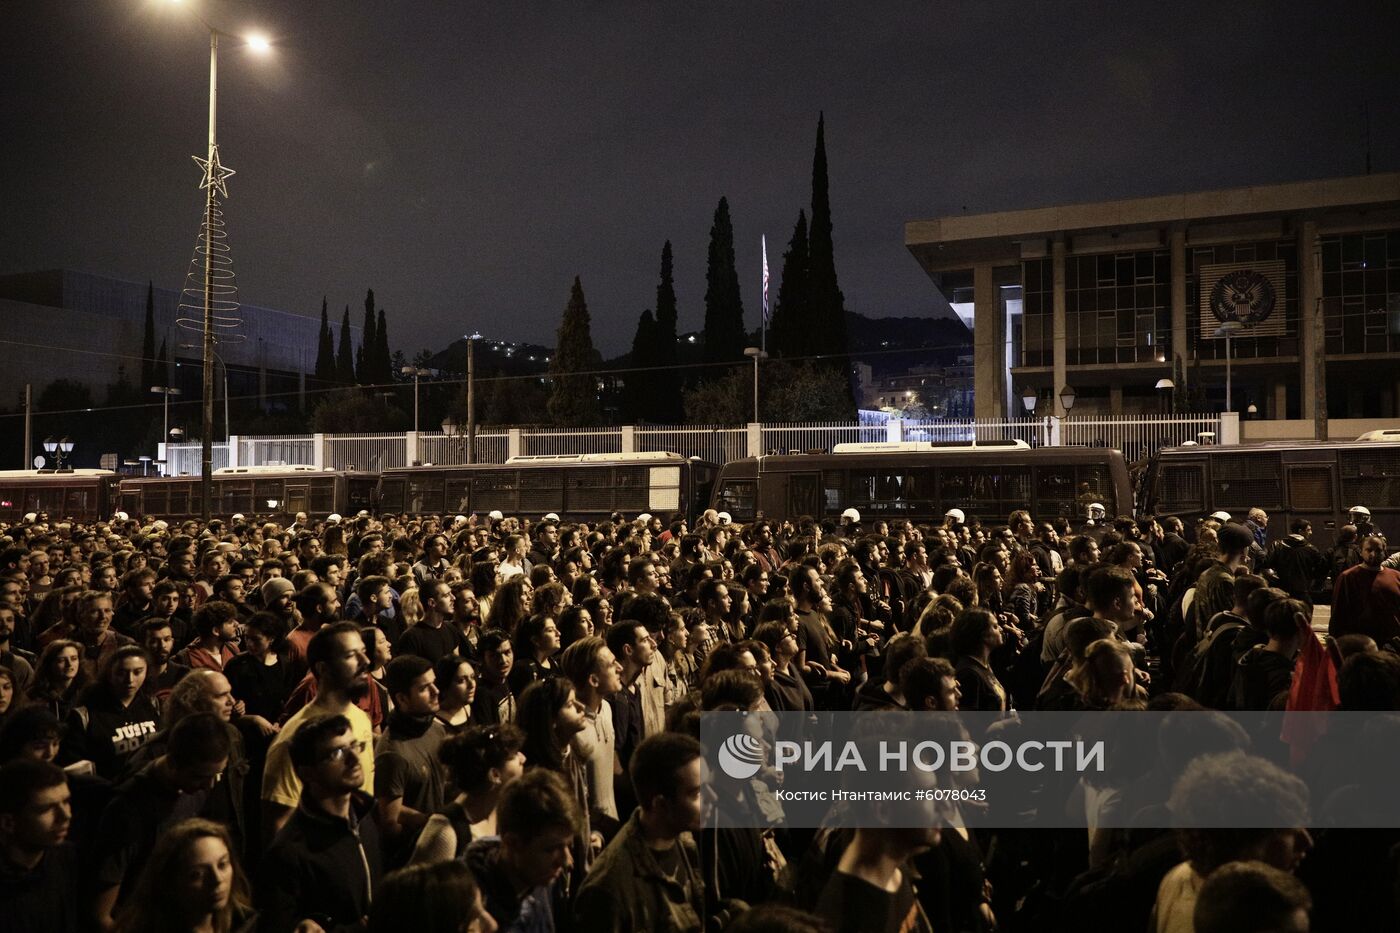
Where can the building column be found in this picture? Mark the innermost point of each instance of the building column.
(1280, 393)
(1115, 400)
(1309, 293)
(989, 345)
(1180, 340)
(1057, 324)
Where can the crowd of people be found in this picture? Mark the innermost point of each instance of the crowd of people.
(489, 722)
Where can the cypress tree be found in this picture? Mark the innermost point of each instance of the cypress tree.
(148, 341)
(724, 309)
(574, 401)
(364, 357)
(325, 350)
(826, 325)
(345, 356)
(789, 334)
(639, 398)
(665, 382)
(162, 370)
(383, 365)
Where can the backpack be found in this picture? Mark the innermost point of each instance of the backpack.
(1207, 672)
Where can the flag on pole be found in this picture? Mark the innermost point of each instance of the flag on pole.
(764, 240)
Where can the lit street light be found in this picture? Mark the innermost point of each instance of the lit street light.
(214, 183)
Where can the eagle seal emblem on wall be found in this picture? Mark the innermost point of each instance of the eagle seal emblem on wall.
(1245, 296)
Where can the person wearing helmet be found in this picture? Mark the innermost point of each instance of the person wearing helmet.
(954, 517)
(1360, 516)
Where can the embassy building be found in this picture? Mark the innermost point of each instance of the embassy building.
(1114, 297)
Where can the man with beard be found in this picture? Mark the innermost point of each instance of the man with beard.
(337, 659)
(322, 869)
(648, 878)
(19, 663)
(411, 784)
(159, 642)
(1366, 599)
(466, 619)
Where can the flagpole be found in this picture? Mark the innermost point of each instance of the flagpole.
(763, 322)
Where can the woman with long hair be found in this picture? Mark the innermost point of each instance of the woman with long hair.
(333, 541)
(483, 577)
(783, 686)
(411, 607)
(601, 610)
(59, 678)
(261, 676)
(976, 633)
(1026, 597)
(550, 715)
(574, 623)
(12, 696)
(456, 682)
(116, 716)
(482, 761)
(536, 643)
(192, 883)
(510, 604)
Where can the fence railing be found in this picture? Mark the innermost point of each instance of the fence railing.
(1137, 437)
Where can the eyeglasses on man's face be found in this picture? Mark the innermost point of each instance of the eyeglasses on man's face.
(346, 753)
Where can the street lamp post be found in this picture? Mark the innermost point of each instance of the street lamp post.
(416, 372)
(59, 449)
(166, 391)
(213, 183)
(1228, 329)
(756, 353)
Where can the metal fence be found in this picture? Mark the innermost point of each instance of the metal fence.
(564, 441)
(716, 443)
(277, 450)
(790, 438)
(1137, 437)
(188, 459)
(491, 447)
(372, 452)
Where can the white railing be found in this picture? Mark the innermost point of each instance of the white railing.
(783, 438)
(1136, 436)
(1140, 437)
(716, 443)
(372, 452)
(563, 441)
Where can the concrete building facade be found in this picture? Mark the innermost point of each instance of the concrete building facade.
(1109, 298)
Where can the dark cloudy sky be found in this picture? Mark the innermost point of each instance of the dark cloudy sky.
(467, 159)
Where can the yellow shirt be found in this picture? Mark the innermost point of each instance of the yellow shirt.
(280, 782)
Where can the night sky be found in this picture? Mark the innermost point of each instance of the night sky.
(467, 160)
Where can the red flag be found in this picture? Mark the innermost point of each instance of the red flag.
(1314, 690)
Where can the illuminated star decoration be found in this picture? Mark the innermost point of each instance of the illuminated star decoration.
(215, 174)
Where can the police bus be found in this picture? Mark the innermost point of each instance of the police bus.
(277, 492)
(1317, 481)
(575, 486)
(80, 495)
(921, 480)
